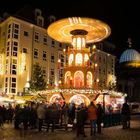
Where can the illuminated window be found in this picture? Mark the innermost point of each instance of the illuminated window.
(83, 42)
(74, 42)
(89, 80)
(86, 58)
(78, 43)
(78, 79)
(70, 59)
(78, 59)
(68, 79)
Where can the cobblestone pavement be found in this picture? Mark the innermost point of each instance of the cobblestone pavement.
(110, 133)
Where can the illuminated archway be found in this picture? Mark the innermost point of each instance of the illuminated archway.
(68, 79)
(78, 79)
(56, 98)
(89, 80)
(79, 98)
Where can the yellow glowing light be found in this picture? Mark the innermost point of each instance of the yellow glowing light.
(97, 30)
(96, 64)
(64, 50)
(94, 47)
(60, 82)
(97, 80)
(133, 64)
(59, 60)
(78, 43)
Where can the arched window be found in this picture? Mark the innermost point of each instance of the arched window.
(70, 59)
(89, 80)
(78, 43)
(86, 58)
(83, 43)
(78, 59)
(68, 79)
(78, 79)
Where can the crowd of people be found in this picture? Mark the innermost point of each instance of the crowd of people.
(48, 115)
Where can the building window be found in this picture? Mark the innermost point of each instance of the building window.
(15, 31)
(45, 40)
(24, 50)
(14, 48)
(52, 72)
(14, 67)
(52, 58)
(9, 31)
(16, 26)
(44, 55)
(40, 21)
(13, 85)
(53, 42)
(26, 33)
(60, 45)
(44, 71)
(36, 37)
(35, 53)
(71, 57)
(7, 66)
(7, 48)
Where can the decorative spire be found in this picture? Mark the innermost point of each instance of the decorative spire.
(129, 42)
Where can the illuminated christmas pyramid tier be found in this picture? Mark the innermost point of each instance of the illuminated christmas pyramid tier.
(96, 30)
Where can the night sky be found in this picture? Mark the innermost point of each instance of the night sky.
(122, 17)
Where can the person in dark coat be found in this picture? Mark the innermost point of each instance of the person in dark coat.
(125, 112)
(71, 114)
(100, 114)
(81, 117)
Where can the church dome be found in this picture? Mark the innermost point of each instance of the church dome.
(130, 55)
